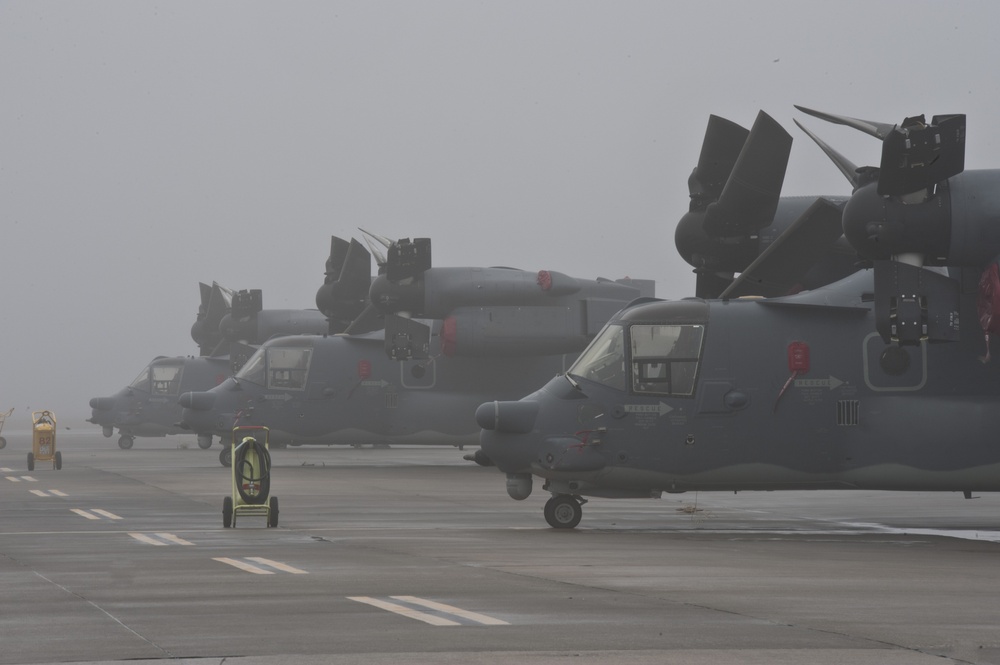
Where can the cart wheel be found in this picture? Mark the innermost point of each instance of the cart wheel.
(57, 464)
(227, 512)
(125, 442)
(31, 462)
(226, 456)
(272, 513)
(3, 442)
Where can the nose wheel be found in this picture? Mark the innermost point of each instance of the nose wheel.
(563, 511)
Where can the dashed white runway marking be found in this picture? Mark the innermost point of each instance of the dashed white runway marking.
(433, 619)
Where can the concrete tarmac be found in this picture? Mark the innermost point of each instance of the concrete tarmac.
(413, 555)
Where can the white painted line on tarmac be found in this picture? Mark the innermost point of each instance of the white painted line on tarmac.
(159, 539)
(143, 538)
(30, 479)
(83, 513)
(105, 513)
(13, 479)
(243, 565)
(402, 610)
(6, 469)
(449, 609)
(39, 492)
(58, 493)
(277, 564)
(176, 540)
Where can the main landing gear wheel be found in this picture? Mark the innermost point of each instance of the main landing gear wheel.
(204, 441)
(125, 441)
(31, 462)
(3, 442)
(226, 456)
(563, 511)
(227, 512)
(57, 462)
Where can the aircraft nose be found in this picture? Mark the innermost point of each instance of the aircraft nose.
(197, 401)
(507, 417)
(507, 437)
(102, 403)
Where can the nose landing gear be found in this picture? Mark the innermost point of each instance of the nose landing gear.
(564, 511)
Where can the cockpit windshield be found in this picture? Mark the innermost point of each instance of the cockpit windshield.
(142, 381)
(604, 360)
(160, 378)
(278, 368)
(253, 370)
(657, 359)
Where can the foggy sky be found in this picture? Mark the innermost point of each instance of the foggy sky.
(147, 146)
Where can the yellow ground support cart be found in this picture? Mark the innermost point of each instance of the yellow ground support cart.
(3, 417)
(251, 471)
(43, 440)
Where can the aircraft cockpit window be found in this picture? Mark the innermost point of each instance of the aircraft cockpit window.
(287, 368)
(604, 360)
(141, 382)
(665, 358)
(253, 370)
(166, 379)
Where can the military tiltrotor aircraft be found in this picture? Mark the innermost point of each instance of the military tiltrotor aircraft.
(229, 327)
(865, 383)
(417, 380)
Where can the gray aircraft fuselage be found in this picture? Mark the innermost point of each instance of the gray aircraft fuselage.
(148, 406)
(343, 389)
(787, 393)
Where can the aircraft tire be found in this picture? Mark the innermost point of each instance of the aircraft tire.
(204, 441)
(57, 464)
(3, 442)
(31, 462)
(563, 511)
(226, 456)
(272, 513)
(227, 512)
(125, 442)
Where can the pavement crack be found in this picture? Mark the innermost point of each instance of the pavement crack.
(105, 613)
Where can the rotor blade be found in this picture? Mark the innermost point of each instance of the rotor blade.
(371, 240)
(338, 252)
(206, 294)
(750, 197)
(846, 166)
(781, 266)
(370, 319)
(719, 151)
(356, 268)
(200, 331)
(879, 130)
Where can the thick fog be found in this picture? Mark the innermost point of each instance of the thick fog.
(149, 146)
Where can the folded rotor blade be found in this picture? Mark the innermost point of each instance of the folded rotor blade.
(751, 193)
(780, 267)
(719, 151)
